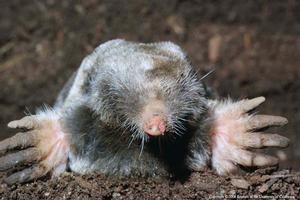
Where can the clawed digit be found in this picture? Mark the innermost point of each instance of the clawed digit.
(264, 121)
(27, 174)
(20, 140)
(261, 140)
(248, 105)
(20, 157)
(28, 122)
(247, 158)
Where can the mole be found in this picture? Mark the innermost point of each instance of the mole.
(139, 110)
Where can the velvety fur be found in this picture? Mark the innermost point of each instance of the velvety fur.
(102, 108)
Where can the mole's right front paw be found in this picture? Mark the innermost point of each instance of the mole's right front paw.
(43, 147)
(236, 134)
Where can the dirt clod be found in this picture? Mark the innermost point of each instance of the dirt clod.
(240, 183)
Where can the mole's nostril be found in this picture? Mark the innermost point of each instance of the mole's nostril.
(155, 126)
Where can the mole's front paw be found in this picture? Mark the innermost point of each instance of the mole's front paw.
(43, 148)
(235, 135)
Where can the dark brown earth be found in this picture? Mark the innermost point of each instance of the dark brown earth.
(266, 184)
(252, 45)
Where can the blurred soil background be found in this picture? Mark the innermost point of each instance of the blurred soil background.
(254, 47)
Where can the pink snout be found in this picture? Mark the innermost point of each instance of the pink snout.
(155, 126)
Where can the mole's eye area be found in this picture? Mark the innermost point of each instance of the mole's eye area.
(153, 116)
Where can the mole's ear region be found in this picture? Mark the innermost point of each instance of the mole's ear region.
(155, 126)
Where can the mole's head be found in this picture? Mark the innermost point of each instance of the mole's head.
(152, 91)
(153, 96)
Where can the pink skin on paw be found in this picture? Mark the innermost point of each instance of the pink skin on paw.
(54, 146)
(228, 124)
(155, 126)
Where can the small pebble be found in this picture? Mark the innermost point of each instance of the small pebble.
(116, 194)
(240, 183)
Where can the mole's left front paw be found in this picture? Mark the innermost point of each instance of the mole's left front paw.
(43, 148)
(234, 134)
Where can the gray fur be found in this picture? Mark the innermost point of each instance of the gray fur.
(102, 105)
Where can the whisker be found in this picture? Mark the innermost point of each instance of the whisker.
(177, 131)
(182, 119)
(27, 111)
(133, 137)
(207, 74)
(180, 126)
(142, 147)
